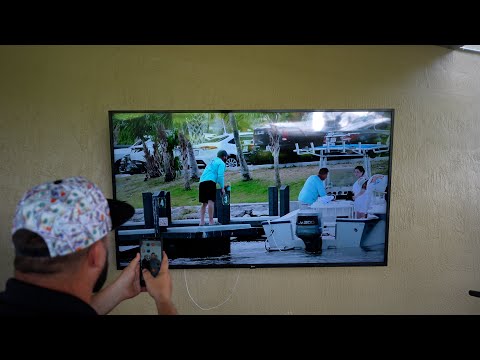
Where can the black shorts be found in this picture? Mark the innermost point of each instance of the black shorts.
(207, 190)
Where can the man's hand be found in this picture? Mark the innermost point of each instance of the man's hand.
(126, 286)
(160, 288)
(129, 279)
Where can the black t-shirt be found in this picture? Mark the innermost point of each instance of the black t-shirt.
(21, 298)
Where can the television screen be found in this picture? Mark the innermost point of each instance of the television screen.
(264, 188)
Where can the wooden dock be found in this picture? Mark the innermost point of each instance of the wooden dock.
(190, 241)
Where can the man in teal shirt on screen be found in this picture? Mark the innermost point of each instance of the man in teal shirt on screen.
(213, 174)
(313, 188)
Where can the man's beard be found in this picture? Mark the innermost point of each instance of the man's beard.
(102, 277)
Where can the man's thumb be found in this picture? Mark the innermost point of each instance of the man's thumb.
(147, 275)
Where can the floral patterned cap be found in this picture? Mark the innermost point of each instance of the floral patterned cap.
(69, 214)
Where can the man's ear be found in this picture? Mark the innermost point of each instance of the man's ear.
(97, 255)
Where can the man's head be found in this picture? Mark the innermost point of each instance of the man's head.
(323, 173)
(222, 154)
(57, 224)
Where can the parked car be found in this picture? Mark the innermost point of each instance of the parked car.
(133, 159)
(121, 156)
(366, 134)
(372, 134)
(207, 151)
(290, 134)
(119, 151)
(130, 159)
(136, 151)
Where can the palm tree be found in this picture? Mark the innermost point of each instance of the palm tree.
(152, 163)
(142, 127)
(274, 144)
(192, 162)
(196, 125)
(117, 125)
(241, 159)
(184, 156)
(165, 148)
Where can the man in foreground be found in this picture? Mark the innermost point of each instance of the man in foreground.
(60, 235)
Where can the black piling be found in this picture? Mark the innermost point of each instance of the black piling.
(162, 210)
(272, 201)
(222, 211)
(284, 200)
(148, 210)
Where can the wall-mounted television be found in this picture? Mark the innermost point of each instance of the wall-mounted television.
(279, 206)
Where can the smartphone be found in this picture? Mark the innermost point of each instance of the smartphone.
(150, 257)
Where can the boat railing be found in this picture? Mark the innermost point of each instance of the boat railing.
(343, 149)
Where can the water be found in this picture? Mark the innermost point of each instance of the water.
(254, 253)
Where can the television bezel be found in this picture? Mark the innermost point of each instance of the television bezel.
(111, 113)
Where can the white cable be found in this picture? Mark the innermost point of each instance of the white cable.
(216, 306)
(273, 236)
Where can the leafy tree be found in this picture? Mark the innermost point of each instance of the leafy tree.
(131, 127)
(122, 129)
(142, 128)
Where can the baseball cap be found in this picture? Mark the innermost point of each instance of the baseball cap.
(222, 153)
(69, 214)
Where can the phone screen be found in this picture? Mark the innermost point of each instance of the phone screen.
(150, 257)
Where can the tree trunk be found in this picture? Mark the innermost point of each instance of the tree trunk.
(168, 166)
(166, 156)
(151, 165)
(184, 157)
(278, 183)
(116, 130)
(275, 150)
(240, 158)
(193, 162)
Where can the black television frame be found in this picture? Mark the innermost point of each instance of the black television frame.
(384, 262)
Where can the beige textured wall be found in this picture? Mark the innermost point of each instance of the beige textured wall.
(54, 123)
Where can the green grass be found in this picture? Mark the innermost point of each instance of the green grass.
(255, 190)
(130, 188)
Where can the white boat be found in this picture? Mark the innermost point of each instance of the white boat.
(336, 223)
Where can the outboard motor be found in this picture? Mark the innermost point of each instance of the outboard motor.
(309, 229)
